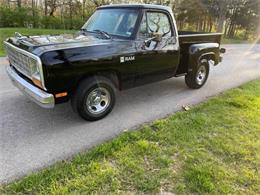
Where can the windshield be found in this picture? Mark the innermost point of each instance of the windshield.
(120, 22)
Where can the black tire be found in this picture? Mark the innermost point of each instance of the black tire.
(192, 78)
(88, 93)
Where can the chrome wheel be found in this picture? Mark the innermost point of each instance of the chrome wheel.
(98, 100)
(201, 74)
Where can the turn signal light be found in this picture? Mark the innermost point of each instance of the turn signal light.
(63, 94)
(37, 82)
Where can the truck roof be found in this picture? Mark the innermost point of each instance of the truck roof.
(137, 6)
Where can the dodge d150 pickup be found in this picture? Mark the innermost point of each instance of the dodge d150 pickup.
(119, 47)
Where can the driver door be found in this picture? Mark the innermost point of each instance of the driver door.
(158, 58)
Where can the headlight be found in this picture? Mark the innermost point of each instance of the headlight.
(36, 74)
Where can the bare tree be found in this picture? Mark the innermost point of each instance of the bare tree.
(53, 4)
(222, 10)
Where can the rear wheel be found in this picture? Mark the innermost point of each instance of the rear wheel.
(198, 76)
(94, 98)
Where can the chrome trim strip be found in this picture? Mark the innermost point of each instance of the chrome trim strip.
(39, 62)
(40, 97)
(195, 35)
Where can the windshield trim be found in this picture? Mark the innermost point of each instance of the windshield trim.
(136, 26)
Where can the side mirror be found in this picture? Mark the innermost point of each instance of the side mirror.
(222, 50)
(157, 37)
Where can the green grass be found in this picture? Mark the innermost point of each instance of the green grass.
(9, 32)
(214, 148)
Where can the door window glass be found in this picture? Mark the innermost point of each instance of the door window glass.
(155, 22)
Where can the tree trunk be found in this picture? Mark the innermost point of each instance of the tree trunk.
(83, 9)
(226, 29)
(246, 33)
(221, 21)
(229, 30)
(8, 3)
(232, 30)
(19, 3)
(204, 24)
(222, 14)
(70, 4)
(45, 8)
(210, 26)
(52, 12)
(33, 12)
(200, 24)
(96, 2)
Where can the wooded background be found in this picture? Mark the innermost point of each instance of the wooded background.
(236, 18)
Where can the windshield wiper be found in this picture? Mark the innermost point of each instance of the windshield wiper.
(101, 32)
(104, 33)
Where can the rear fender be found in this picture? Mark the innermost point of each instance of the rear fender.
(209, 51)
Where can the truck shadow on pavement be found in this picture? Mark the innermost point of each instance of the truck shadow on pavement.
(20, 110)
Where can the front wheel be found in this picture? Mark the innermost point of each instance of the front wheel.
(94, 98)
(198, 76)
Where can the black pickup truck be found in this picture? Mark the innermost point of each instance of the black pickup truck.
(119, 47)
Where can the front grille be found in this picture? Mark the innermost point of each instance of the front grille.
(22, 61)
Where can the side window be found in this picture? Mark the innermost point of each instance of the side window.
(155, 22)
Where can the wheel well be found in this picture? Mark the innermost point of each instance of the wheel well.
(208, 56)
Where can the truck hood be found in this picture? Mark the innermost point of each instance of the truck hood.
(42, 43)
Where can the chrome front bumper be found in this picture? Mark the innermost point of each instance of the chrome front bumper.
(40, 97)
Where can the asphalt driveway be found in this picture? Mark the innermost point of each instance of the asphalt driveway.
(32, 138)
